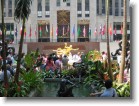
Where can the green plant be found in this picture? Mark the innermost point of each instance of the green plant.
(123, 89)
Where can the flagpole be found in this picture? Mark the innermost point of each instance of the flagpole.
(16, 39)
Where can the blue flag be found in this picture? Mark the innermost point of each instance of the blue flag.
(73, 31)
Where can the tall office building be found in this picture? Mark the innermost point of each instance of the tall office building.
(68, 20)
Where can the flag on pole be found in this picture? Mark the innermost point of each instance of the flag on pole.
(79, 31)
(21, 30)
(84, 32)
(52, 30)
(40, 31)
(63, 30)
(0, 32)
(89, 31)
(115, 33)
(30, 34)
(57, 31)
(110, 30)
(95, 32)
(10, 30)
(100, 32)
(36, 31)
(122, 29)
(103, 30)
(46, 29)
(73, 30)
(16, 31)
(25, 33)
(68, 29)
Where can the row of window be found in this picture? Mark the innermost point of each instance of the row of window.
(113, 4)
(9, 8)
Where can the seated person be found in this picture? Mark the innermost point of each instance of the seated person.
(108, 92)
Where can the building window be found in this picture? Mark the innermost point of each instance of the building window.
(79, 5)
(110, 7)
(58, 3)
(116, 7)
(47, 8)
(39, 8)
(68, 2)
(9, 8)
(122, 5)
(103, 6)
(97, 1)
(87, 6)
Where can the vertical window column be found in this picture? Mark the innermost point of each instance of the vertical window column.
(79, 8)
(103, 7)
(87, 8)
(58, 3)
(116, 7)
(39, 8)
(9, 8)
(47, 8)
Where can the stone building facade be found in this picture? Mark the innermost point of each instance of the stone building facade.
(67, 20)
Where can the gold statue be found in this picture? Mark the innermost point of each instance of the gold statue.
(65, 51)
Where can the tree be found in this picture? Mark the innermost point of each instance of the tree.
(124, 41)
(3, 44)
(22, 12)
(108, 45)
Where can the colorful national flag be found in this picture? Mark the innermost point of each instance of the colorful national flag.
(21, 30)
(90, 31)
(68, 29)
(84, 31)
(57, 31)
(79, 31)
(110, 30)
(73, 30)
(95, 32)
(115, 33)
(10, 30)
(30, 34)
(40, 31)
(103, 30)
(52, 30)
(100, 32)
(63, 30)
(0, 32)
(16, 31)
(122, 29)
(36, 31)
(46, 29)
(25, 33)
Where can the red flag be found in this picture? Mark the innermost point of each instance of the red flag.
(30, 31)
(95, 31)
(110, 30)
(122, 29)
(84, 32)
(103, 30)
(36, 31)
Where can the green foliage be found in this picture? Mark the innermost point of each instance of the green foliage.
(33, 80)
(29, 60)
(123, 90)
(22, 9)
